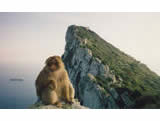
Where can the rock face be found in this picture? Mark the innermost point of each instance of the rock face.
(96, 85)
(83, 68)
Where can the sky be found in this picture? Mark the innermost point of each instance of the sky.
(29, 38)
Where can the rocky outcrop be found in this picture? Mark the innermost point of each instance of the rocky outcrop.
(39, 105)
(91, 78)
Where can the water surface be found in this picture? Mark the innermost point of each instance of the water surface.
(17, 94)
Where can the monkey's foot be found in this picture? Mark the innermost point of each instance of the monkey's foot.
(58, 104)
(71, 101)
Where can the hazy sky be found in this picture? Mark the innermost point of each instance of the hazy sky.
(29, 38)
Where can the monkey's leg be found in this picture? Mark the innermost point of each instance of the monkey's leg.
(66, 93)
(71, 93)
(54, 99)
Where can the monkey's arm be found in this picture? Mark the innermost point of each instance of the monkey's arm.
(37, 84)
(37, 91)
(65, 76)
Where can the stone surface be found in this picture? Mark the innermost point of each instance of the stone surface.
(39, 105)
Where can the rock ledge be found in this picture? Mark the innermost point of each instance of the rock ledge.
(39, 105)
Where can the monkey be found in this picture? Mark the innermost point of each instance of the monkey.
(49, 95)
(53, 84)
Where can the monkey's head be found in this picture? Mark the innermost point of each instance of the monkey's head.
(51, 87)
(54, 63)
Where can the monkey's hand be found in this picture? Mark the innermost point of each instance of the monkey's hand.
(54, 84)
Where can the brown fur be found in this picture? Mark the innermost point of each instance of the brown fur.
(53, 84)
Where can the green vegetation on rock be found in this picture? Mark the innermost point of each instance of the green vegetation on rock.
(135, 75)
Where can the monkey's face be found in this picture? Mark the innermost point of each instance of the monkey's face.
(54, 63)
(50, 87)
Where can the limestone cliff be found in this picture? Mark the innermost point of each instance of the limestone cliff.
(102, 75)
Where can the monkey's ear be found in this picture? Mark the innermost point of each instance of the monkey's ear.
(58, 57)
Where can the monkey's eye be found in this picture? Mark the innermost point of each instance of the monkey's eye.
(50, 64)
(56, 63)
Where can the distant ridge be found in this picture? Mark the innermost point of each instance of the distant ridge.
(16, 79)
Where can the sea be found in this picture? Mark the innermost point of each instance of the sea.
(17, 86)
